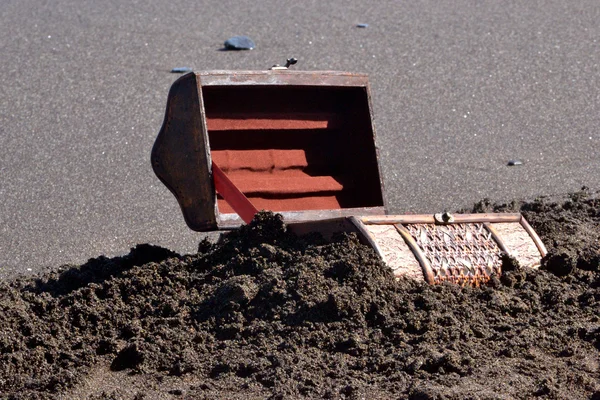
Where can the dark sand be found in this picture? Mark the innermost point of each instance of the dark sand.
(264, 314)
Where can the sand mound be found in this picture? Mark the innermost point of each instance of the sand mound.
(265, 314)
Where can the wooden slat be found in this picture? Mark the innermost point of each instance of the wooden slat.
(536, 239)
(497, 238)
(427, 270)
(232, 195)
(233, 220)
(326, 227)
(367, 236)
(282, 77)
(429, 219)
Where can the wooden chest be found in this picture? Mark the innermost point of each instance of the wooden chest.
(298, 143)
(303, 144)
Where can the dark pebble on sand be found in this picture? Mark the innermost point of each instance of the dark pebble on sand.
(181, 70)
(239, 43)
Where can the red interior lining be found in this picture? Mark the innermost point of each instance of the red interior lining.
(260, 160)
(260, 121)
(310, 148)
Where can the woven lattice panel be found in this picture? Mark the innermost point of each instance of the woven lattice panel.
(459, 253)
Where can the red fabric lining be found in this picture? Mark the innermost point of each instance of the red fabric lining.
(292, 148)
(233, 124)
(266, 184)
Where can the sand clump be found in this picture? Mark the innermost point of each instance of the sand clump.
(266, 314)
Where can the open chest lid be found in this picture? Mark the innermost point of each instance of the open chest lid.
(298, 143)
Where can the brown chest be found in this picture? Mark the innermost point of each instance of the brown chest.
(303, 144)
(299, 143)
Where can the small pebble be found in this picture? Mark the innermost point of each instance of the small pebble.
(512, 163)
(239, 43)
(362, 25)
(181, 70)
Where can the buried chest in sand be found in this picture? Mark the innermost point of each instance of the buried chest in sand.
(303, 144)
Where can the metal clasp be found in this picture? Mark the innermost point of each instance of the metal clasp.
(289, 62)
(444, 218)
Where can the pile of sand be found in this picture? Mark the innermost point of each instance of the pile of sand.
(265, 314)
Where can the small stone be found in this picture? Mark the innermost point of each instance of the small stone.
(415, 364)
(362, 25)
(181, 70)
(512, 163)
(239, 289)
(239, 43)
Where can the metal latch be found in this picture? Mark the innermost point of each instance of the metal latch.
(289, 62)
(444, 218)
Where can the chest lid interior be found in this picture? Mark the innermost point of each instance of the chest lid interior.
(299, 143)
